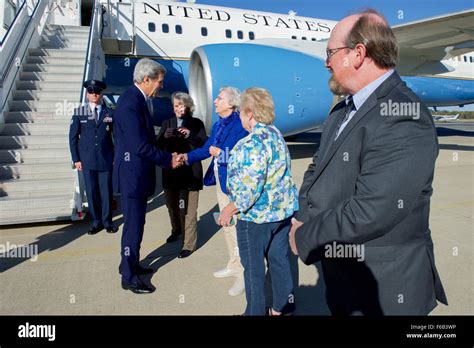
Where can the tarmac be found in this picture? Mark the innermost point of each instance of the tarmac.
(75, 273)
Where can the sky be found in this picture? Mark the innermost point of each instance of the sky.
(396, 12)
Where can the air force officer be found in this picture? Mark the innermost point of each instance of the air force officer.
(92, 151)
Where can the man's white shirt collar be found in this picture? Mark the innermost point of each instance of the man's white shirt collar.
(144, 95)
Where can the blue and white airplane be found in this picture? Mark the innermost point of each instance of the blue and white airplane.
(206, 47)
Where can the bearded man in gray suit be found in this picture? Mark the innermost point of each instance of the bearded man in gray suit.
(365, 199)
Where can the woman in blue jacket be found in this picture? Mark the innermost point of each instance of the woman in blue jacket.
(224, 135)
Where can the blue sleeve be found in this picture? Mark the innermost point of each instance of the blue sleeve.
(203, 152)
(240, 134)
(74, 132)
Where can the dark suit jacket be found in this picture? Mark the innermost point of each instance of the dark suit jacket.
(184, 177)
(231, 135)
(90, 142)
(372, 186)
(135, 153)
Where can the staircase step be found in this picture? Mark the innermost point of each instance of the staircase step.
(65, 38)
(47, 208)
(63, 45)
(56, 68)
(47, 34)
(35, 171)
(17, 186)
(36, 117)
(8, 142)
(21, 188)
(34, 156)
(37, 214)
(48, 52)
(34, 129)
(54, 60)
(50, 86)
(67, 28)
(74, 78)
(58, 107)
(47, 202)
(46, 95)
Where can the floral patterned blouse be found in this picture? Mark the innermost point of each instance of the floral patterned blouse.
(259, 180)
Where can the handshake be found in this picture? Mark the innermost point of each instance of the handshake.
(178, 160)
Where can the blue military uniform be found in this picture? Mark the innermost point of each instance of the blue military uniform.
(90, 142)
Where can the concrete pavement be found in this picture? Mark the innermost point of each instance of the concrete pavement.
(77, 274)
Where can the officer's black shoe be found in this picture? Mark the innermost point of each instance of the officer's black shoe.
(141, 270)
(95, 229)
(138, 287)
(173, 237)
(184, 253)
(111, 229)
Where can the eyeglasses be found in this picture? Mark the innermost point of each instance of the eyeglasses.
(94, 90)
(333, 51)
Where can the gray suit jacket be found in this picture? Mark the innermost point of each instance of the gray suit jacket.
(372, 186)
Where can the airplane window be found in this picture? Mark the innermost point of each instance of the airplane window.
(179, 29)
(240, 35)
(228, 34)
(465, 59)
(470, 58)
(303, 38)
(251, 35)
(165, 28)
(151, 27)
(293, 37)
(204, 31)
(313, 39)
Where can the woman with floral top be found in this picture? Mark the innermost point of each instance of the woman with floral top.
(264, 197)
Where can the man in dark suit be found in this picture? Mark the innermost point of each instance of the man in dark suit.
(365, 199)
(134, 168)
(92, 151)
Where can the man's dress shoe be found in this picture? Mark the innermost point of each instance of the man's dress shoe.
(95, 229)
(111, 229)
(138, 287)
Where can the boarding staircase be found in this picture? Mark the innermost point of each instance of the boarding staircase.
(36, 178)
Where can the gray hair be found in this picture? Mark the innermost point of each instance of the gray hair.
(147, 68)
(233, 96)
(185, 99)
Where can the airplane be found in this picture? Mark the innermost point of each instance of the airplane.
(206, 47)
(57, 45)
(441, 118)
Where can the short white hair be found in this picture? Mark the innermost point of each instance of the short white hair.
(147, 68)
(233, 96)
(185, 99)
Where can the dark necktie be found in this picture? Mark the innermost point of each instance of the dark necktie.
(347, 111)
(96, 115)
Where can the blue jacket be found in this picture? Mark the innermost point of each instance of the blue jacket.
(135, 153)
(232, 134)
(90, 142)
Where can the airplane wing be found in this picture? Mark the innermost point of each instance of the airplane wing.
(423, 44)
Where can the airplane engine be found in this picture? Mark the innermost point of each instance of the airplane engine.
(297, 82)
